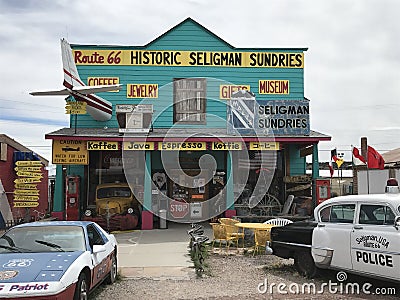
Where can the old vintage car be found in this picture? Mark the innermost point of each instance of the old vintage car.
(358, 234)
(116, 207)
(56, 260)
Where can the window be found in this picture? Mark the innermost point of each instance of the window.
(376, 215)
(343, 213)
(94, 236)
(190, 100)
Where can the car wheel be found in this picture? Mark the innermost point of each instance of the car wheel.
(304, 264)
(81, 290)
(112, 276)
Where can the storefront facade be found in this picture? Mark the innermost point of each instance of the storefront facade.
(196, 126)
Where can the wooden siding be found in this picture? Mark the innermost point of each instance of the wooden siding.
(192, 37)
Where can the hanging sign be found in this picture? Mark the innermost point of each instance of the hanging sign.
(70, 152)
(175, 146)
(138, 146)
(102, 145)
(226, 146)
(264, 146)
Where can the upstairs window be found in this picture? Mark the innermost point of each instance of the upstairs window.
(190, 100)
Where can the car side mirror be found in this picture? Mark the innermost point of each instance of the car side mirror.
(397, 222)
(98, 248)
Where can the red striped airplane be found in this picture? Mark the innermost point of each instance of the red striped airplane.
(99, 108)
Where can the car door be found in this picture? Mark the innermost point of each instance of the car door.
(331, 237)
(99, 259)
(375, 241)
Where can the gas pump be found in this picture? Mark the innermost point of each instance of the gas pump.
(323, 190)
(72, 198)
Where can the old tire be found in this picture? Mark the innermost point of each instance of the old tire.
(81, 290)
(112, 276)
(304, 264)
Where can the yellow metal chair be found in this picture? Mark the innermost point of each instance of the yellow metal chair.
(232, 232)
(261, 237)
(219, 234)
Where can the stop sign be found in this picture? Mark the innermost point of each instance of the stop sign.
(178, 209)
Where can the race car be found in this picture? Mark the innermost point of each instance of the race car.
(56, 260)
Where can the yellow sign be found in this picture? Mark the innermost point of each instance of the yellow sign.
(226, 146)
(138, 145)
(264, 145)
(29, 174)
(25, 198)
(226, 90)
(103, 81)
(25, 186)
(141, 90)
(76, 105)
(26, 204)
(28, 169)
(72, 111)
(189, 146)
(257, 59)
(102, 145)
(26, 192)
(273, 86)
(26, 163)
(28, 180)
(70, 152)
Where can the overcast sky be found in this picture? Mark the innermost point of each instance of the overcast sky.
(352, 66)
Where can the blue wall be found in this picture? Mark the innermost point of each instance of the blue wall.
(190, 36)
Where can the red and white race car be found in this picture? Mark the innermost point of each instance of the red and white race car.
(56, 260)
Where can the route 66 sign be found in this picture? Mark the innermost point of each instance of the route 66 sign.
(23, 262)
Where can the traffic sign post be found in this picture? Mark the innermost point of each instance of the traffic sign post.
(178, 210)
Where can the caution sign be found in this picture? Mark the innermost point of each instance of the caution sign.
(26, 204)
(68, 152)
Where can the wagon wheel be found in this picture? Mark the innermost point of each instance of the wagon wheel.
(272, 205)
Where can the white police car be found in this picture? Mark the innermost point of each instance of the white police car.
(360, 234)
(56, 260)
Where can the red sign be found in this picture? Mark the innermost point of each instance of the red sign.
(178, 209)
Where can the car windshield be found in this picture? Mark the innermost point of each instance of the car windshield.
(43, 239)
(110, 192)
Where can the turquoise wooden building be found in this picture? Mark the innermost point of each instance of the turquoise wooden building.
(198, 129)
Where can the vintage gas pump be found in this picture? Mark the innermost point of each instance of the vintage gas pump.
(323, 190)
(72, 198)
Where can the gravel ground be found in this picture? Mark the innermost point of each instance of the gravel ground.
(235, 277)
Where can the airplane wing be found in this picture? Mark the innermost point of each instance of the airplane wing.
(63, 92)
(85, 90)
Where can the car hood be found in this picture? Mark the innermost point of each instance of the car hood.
(35, 267)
